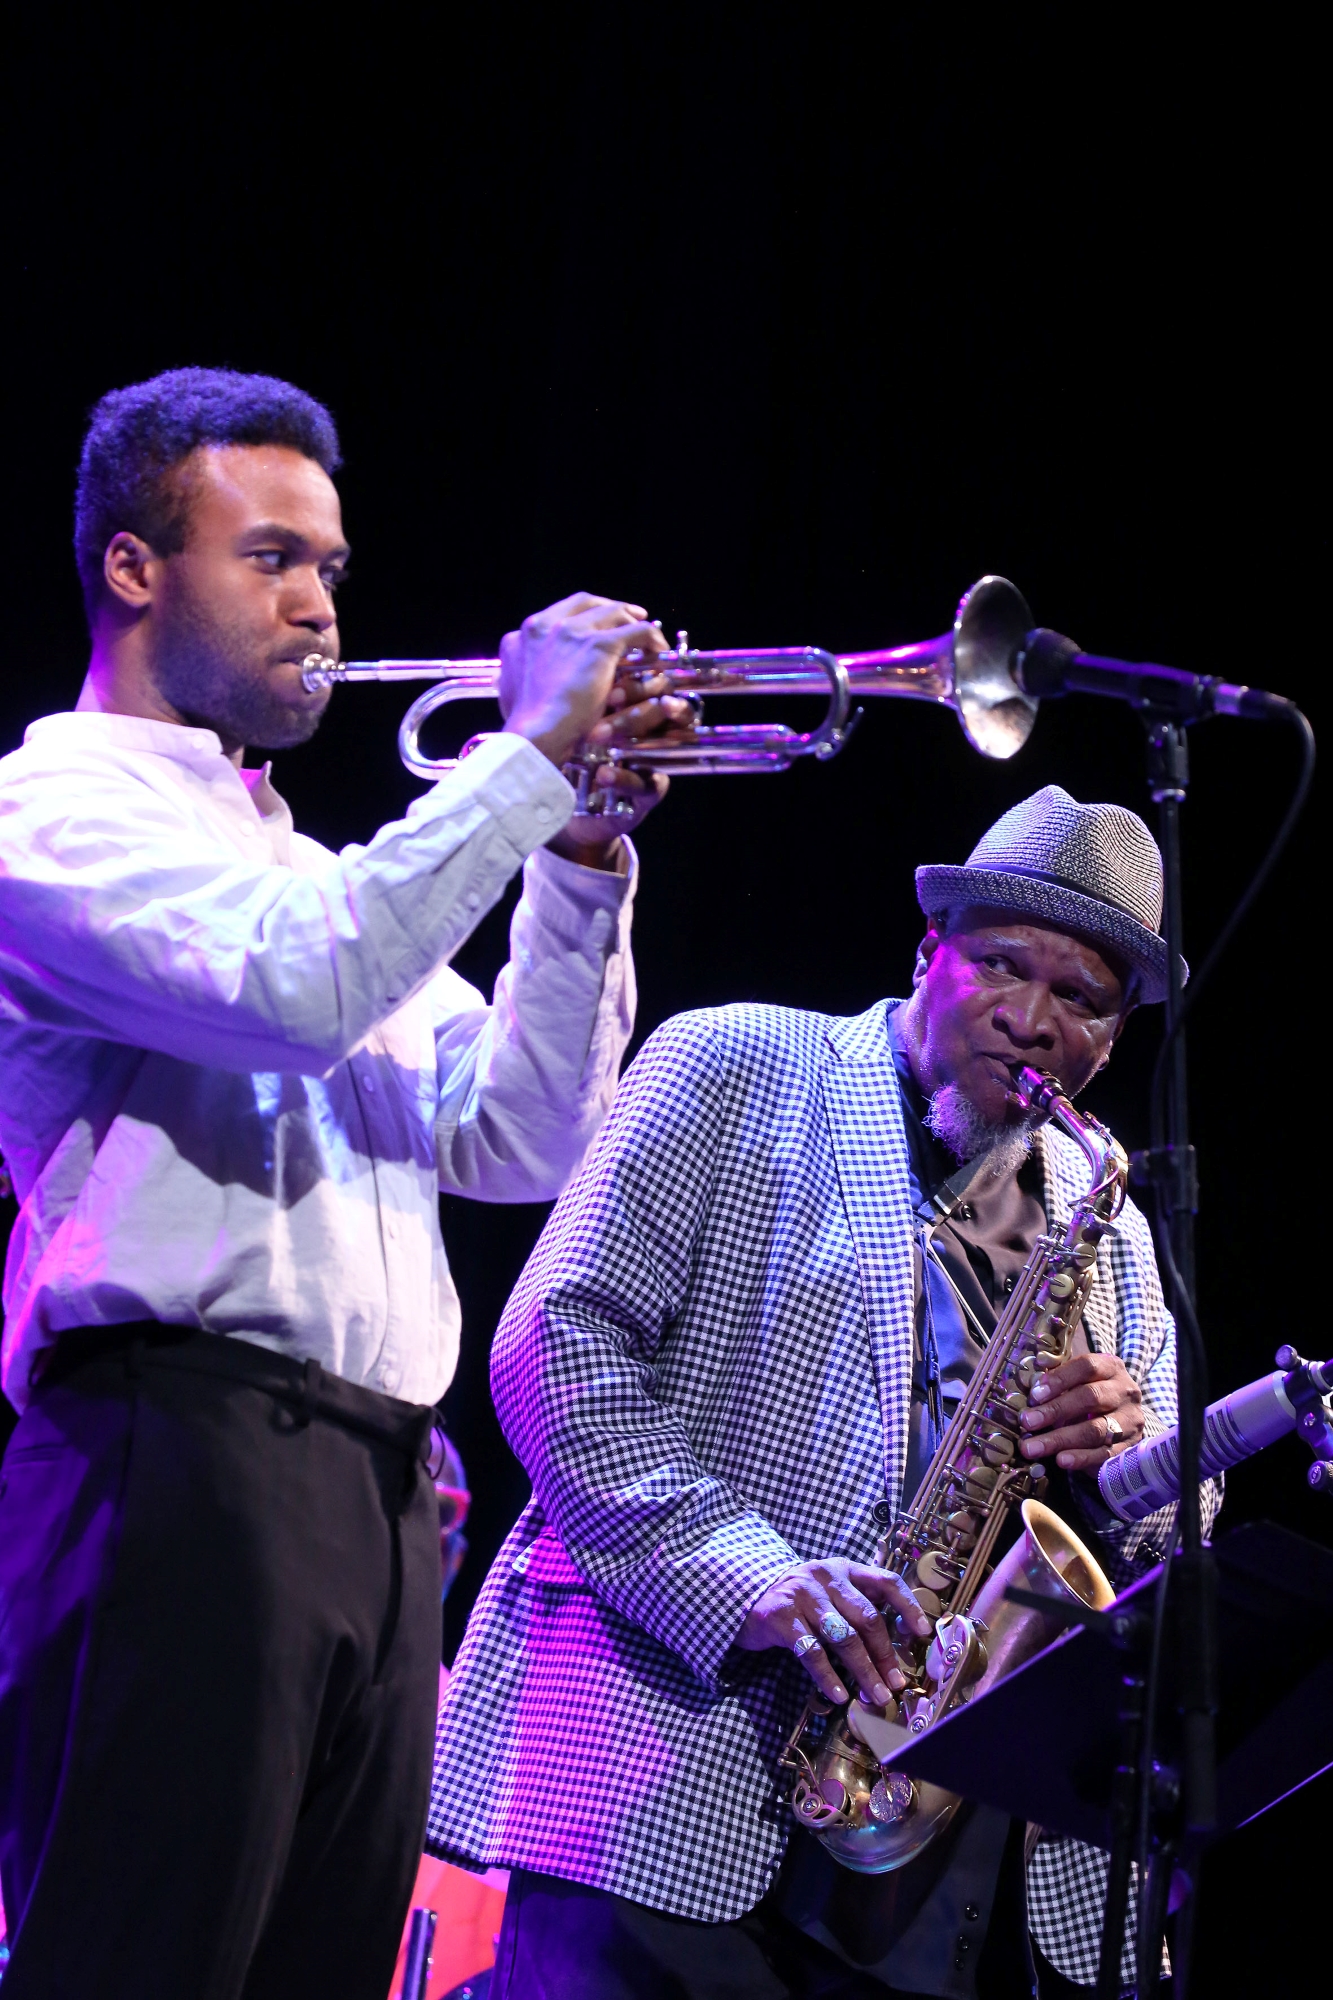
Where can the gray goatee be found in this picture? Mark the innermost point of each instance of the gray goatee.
(957, 1124)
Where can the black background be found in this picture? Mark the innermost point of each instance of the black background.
(788, 326)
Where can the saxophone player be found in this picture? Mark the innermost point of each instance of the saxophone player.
(725, 1368)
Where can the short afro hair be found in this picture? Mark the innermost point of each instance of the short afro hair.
(137, 437)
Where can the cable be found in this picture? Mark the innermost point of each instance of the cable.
(1238, 915)
(1143, 1804)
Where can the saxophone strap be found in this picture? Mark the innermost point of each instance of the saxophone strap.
(934, 1210)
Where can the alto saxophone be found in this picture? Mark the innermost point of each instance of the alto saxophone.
(870, 1817)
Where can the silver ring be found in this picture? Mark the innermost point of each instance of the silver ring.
(835, 1628)
(807, 1643)
(1115, 1430)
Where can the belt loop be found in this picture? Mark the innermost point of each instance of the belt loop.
(310, 1389)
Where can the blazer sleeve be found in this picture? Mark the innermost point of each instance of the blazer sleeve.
(575, 1366)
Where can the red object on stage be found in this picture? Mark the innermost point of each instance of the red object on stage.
(468, 1908)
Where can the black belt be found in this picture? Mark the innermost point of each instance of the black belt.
(303, 1386)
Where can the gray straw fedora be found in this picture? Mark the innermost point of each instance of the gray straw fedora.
(1091, 869)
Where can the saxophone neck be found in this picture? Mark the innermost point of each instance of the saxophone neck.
(1037, 1090)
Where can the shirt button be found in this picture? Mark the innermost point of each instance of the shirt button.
(473, 899)
(964, 1212)
(971, 1913)
(392, 1381)
(542, 812)
(369, 1083)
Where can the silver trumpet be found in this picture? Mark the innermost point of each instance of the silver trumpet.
(968, 668)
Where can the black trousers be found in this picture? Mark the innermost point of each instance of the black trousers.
(563, 1941)
(219, 1652)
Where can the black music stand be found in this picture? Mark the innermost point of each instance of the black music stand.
(1045, 1743)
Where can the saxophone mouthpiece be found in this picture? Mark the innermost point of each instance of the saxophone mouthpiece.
(1035, 1089)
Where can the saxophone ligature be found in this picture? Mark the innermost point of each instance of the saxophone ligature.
(845, 1790)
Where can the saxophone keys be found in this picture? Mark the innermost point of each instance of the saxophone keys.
(892, 1798)
(931, 1570)
(998, 1449)
(1061, 1286)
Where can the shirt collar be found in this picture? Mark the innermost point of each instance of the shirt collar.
(199, 750)
(183, 744)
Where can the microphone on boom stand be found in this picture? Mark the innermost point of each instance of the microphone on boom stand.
(1048, 665)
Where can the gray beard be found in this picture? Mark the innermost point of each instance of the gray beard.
(957, 1124)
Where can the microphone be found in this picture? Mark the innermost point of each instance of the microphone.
(1047, 664)
(1137, 1482)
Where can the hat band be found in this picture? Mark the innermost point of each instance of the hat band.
(1062, 882)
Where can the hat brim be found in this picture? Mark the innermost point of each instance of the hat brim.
(1055, 903)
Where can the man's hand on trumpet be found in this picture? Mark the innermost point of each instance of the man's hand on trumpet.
(559, 688)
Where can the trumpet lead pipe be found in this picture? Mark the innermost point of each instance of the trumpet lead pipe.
(318, 672)
(783, 670)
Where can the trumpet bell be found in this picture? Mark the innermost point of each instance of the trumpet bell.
(970, 669)
(992, 623)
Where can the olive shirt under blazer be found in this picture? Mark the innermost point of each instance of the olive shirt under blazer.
(706, 1371)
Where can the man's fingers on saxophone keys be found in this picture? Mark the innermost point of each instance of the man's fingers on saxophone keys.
(1075, 1404)
(887, 1589)
(841, 1637)
(806, 1648)
(875, 1634)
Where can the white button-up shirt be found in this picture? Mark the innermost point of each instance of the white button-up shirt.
(235, 1068)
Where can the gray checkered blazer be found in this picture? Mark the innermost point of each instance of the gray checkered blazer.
(706, 1370)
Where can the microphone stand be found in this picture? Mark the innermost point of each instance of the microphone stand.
(1159, 1809)
(1169, 1166)
(1154, 1807)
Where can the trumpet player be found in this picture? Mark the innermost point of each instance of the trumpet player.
(237, 1070)
(725, 1369)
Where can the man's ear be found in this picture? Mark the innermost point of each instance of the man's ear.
(925, 951)
(1117, 1031)
(128, 570)
(1123, 1016)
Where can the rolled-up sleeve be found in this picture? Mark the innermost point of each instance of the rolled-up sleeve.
(526, 1083)
(118, 920)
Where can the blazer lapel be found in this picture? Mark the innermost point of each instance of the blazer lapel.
(864, 1112)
